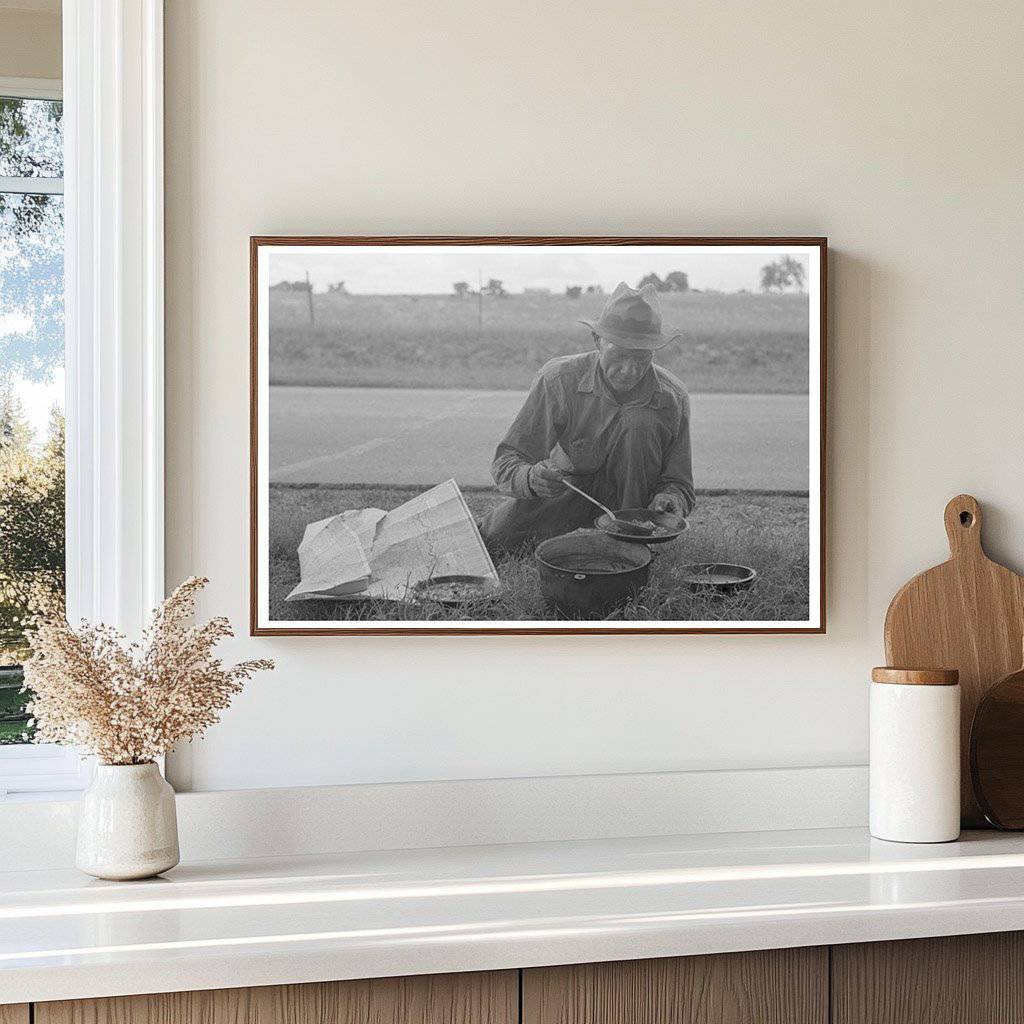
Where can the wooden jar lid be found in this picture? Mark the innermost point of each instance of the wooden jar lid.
(916, 676)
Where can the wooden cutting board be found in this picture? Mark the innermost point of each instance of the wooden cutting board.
(967, 614)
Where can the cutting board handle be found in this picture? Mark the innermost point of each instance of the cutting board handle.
(963, 527)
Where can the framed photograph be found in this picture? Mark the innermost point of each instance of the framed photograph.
(537, 435)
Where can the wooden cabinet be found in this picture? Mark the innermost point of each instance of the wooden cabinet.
(963, 979)
(491, 998)
(779, 986)
(969, 979)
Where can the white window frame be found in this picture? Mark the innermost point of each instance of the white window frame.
(31, 88)
(114, 327)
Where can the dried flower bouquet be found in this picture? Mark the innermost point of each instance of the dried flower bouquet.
(129, 703)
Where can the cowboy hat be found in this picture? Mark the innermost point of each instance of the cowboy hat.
(631, 318)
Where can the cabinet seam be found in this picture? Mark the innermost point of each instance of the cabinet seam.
(829, 987)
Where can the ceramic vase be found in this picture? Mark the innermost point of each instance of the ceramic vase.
(127, 826)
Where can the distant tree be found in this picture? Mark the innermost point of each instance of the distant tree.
(573, 291)
(595, 289)
(782, 275)
(653, 278)
(31, 523)
(15, 432)
(495, 287)
(338, 287)
(677, 281)
(461, 289)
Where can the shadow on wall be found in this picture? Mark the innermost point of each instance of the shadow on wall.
(853, 285)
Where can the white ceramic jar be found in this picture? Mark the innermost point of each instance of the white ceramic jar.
(915, 755)
(127, 824)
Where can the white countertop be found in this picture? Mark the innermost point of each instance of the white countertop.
(283, 920)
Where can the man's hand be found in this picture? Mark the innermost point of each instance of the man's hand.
(667, 503)
(545, 479)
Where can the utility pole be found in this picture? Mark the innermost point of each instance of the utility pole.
(309, 293)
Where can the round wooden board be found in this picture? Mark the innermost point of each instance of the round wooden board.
(997, 753)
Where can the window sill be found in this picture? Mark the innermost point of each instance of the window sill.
(30, 772)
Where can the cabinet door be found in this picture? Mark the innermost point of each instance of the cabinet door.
(490, 998)
(779, 986)
(14, 1014)
(962, 979)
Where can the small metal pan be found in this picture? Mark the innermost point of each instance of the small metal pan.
(722, 577)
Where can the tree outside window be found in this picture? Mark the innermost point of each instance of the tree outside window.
(31, 384)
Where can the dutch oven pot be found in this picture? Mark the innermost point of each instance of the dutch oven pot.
(588, 574)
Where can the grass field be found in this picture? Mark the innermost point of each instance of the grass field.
(766, 531)
(733, 342)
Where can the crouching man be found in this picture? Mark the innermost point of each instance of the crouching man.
(609, 420)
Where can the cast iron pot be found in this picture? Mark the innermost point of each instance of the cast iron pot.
(587, 574)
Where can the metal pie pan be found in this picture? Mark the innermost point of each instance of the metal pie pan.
(665, 520)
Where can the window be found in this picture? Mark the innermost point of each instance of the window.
(31, 408)
(112, 307)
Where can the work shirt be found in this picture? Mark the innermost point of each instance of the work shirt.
(621, 452)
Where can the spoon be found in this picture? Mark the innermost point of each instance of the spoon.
(624, 524)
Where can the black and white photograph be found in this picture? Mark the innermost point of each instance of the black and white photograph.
(537, 435)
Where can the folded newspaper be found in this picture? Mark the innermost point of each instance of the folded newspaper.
(369, 553)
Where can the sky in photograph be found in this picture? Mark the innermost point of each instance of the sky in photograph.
(433, 270)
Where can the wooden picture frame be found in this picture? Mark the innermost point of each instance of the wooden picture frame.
(263, 248)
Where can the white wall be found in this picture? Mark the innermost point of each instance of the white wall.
(30, 39)
(895, 129)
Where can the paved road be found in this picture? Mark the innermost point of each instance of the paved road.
(423, 436)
